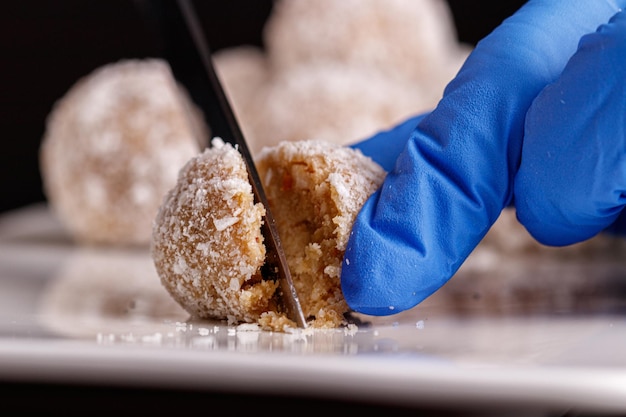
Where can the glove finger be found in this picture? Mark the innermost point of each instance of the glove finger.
(454, 176)
(385, 146)
(572, 180)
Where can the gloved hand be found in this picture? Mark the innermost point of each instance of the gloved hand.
(453, 169)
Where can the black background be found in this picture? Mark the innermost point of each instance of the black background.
(45, 46)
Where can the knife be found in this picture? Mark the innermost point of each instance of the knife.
(187, 51)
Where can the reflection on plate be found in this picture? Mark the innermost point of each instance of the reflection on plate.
(100, 291)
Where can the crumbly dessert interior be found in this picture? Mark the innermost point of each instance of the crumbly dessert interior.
(315, 191)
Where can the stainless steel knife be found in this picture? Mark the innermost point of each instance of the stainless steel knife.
(187, 51)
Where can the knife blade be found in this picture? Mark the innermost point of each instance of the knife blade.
(187, 51)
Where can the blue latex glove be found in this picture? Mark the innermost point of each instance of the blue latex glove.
(571, 184)
(453, 169)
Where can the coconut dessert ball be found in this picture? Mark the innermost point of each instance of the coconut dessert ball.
(335, 103)
(315, 190)
(411, 39)
(112, 148)
(340, 70)
(207, 244)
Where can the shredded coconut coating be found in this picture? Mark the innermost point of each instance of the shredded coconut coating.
(207, 243)
(315, 190)
(112, 148)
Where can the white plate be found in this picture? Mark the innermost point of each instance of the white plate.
(539, 333)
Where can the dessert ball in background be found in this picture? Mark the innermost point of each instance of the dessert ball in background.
(335, 103)
(340, 70)
(410, 39)
(112, 148)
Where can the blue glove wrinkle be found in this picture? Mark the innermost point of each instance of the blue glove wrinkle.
(455, 174)
(572, 181)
